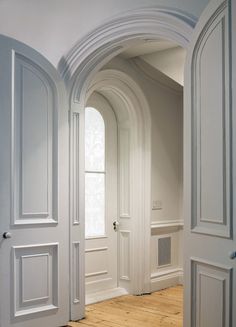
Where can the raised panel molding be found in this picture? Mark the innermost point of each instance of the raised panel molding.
(35, 276)
(212, 128)
(76, 272)
(211, 294)
(97, 272)
(75, 166)
(97, 262)
(33, 129)
(124, 172)
(125, 255)
(39, 262)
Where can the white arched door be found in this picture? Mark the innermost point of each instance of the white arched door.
(34, 219)
(100, 199)
(209, 170)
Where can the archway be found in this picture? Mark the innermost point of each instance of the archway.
(92, 53)
(134, 133)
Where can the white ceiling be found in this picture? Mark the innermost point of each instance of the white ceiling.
(147, 47)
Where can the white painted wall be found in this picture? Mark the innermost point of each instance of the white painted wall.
(167, 153)
(166, 107)
(53, 26)
(169, 62)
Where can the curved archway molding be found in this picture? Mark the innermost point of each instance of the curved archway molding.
(114, 36)
(128, 90)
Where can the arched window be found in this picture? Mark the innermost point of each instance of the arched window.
(94, 173)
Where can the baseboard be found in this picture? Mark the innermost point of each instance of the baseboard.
(165, 279)
(181, 279)
(104, 295)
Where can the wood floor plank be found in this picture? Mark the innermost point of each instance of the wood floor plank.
(159, 309)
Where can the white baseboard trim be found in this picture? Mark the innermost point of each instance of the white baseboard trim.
(165, 279)
(104, 295)
(181, 279)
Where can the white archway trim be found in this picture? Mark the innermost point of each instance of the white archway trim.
(139, 124)
(113, 37)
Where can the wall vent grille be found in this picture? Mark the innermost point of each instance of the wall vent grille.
(164, 251)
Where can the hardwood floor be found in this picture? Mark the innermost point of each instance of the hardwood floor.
(160, 309)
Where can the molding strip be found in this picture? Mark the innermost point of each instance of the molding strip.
(167, 223)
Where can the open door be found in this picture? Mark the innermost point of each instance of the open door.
(210, 125)
(34, 244)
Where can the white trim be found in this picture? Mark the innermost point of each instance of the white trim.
(96, 273)
(104, 248)
(114, 36)
(166, 278)
(167, 223)
(89, 55)
(105, 295)
(167, 272)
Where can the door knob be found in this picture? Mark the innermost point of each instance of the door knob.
(6, 235)
(232, 255)
(115, 225)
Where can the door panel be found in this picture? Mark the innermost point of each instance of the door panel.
(212, 128)
(212, 293)
(208, 131)
(124, 172)
(35, 278)
(34, 123)
(126, 188)
(33, 190)
(125, 257)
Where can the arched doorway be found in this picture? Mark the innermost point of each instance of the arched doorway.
(134, 162)
(79, 69)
